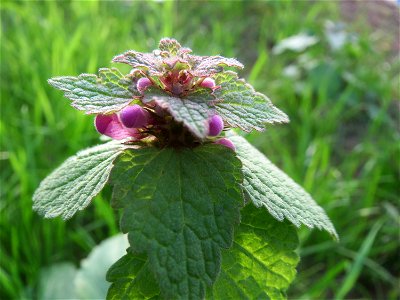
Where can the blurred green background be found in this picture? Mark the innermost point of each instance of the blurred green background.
(337, 78)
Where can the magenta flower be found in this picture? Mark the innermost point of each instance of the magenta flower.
(208, 83)
(111, 126)
(216, 124)
(143, 83)
(225, 142)
(134, 116)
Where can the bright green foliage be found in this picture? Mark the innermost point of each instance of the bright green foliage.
(73, 185)
(109, 92)
(241, 106)
(193, 110)
(180, 207)
(262, 262)
(132, 279)
(268, 186)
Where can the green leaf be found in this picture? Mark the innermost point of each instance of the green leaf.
(261, 264)
(180, 210)
(171, 52)
(193, 110)
(241, 106)
(268, 186)
(262, 261)
(109, 92)
(76, 182)
(203, 66)
(146, 62)
(132, 279)
(169, 45)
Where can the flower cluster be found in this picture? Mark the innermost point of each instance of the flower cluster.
(171, 70)
(137, 122)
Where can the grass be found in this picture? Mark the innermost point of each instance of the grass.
(342, 144)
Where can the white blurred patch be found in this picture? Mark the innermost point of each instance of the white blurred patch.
(296, 43)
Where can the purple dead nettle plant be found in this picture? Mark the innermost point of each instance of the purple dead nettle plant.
(207, 215)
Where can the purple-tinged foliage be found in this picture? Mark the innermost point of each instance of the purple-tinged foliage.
(134, 116)
(215, 125)
(172, 56)
(170, 92)
(146, 62)
(204, 66)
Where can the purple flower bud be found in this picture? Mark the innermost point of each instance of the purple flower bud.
(143, 83)
(208, 83)
(111, 126)
(225, 142)
(216, 124)
(134, 116)
(101, 123)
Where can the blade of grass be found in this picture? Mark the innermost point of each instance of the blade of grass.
(355, 269)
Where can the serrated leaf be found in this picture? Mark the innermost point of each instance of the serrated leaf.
(76, 182)
(109, 92)
(241, 106)
(132, 279)
(262, 261)
(267, 186)
(193, 110)
(261, 264)
(169, 45)
(207, 65)
(180, 210)
(147, 62)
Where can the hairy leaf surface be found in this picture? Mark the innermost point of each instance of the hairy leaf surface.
(76, 182)
(180, 210)
(262, 261)
(193, 110)
(208, 65)
(243, 107)
(171, 46)
(268, 186)
(108, 92)
(147, 62)
(261, 264)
